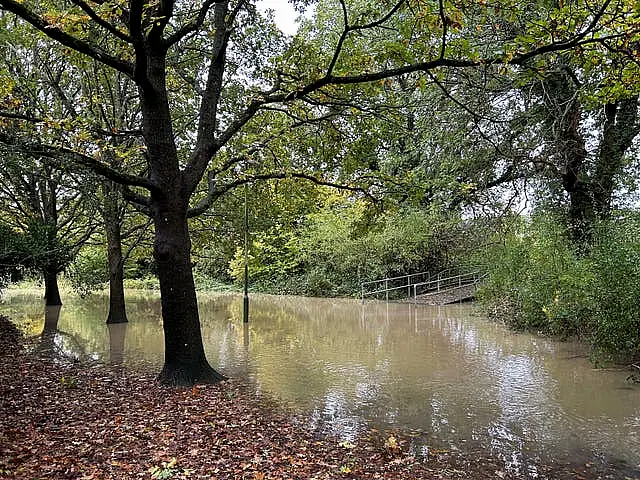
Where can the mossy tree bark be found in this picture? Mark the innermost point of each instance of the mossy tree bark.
(589, 179)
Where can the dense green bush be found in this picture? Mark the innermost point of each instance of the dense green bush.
(36, 249)
(539, 282)
(212, 261)
(44, 249)
(337, 248)
(10, 255)
(89, 270)
(147, 282)
(615, 288)
(273, 255)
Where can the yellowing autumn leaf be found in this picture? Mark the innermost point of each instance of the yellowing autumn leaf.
(391, 443)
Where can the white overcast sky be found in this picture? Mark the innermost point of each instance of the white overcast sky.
(285, 15)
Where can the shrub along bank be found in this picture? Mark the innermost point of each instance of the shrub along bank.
(539, 281)
(335, 250)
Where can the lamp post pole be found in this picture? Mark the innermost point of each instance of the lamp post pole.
(245, 310)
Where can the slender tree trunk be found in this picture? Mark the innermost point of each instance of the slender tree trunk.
(51, 290)
(185, 361)
(117, 307)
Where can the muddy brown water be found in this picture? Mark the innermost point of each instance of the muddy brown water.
(457, 381)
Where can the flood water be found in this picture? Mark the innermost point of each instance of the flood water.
(459, 381)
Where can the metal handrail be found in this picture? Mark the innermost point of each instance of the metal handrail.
(442, 284)
(388, 288)
(438, 281)
(448, 284)
(394, 278)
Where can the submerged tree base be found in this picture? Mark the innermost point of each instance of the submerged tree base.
(184, 375)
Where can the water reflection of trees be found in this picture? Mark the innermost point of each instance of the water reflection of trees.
(458, 377)
(370, 364)
(117, 336)
(80, 327)
(56, 343)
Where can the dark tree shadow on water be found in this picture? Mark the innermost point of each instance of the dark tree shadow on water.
(47, 340)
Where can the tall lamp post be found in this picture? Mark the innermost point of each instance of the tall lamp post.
(245, 310)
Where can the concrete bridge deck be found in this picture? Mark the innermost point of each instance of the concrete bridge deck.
(454, 295)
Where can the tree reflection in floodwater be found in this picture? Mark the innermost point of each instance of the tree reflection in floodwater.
(117, 335)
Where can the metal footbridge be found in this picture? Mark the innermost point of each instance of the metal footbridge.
(449, 286)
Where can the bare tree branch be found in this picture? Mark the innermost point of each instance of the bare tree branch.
(443, 19)
(192, 26)
(206, 144)
(98, 131)
(62, 153)
(221, 190)
(353, 28)
(140, 202)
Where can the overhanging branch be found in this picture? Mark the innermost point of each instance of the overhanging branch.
(222, 189)
(61, 153)
(52, 31)
(101, 21)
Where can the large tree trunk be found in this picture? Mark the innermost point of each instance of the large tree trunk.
(581, 214)
(185, 362)
(51, 290)
(590, 191)
(117, 307)
(572, 150)
(51, 318)
(564, 115)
